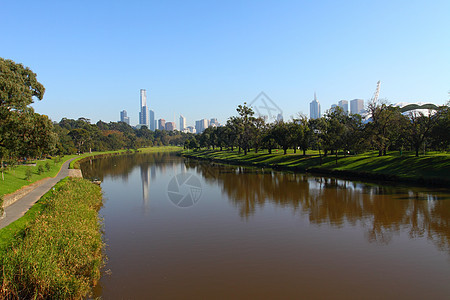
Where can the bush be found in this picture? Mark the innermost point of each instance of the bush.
(40, 169)
(28, 174)
(47, 166)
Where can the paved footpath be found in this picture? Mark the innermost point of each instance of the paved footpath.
(22, 205)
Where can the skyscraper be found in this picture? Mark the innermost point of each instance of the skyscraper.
(152, 120)
(143, 114)
(162, 124)
(201, 125)
(182, 123)
(314, 108)
(344, 105)
(124, 118)
(357, 106)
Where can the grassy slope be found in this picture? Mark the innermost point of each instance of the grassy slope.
(407, 166)
(57, 252)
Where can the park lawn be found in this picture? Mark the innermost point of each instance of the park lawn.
(15, 179)
(433, 165)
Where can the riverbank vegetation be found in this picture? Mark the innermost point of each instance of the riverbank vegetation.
(56, 250)
(431, 169)
(336, 133)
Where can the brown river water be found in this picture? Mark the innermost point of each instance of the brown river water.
(183, 229)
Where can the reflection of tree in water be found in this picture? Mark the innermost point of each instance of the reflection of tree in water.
(121, 165)
(383, 211)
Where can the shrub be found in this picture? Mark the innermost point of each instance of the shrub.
(1, 205)
(40, 169)
(28, 174)
(47, 166)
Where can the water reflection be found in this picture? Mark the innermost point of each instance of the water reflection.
(382, 210)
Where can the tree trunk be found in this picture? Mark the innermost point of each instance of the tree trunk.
(304, 152)
(270, 150)
(295, 149)
(285, 151)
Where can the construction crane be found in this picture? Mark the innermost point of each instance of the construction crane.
(377, 92)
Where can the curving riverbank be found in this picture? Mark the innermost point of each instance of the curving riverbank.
(430, 170)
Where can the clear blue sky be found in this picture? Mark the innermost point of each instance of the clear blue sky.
(203, 58)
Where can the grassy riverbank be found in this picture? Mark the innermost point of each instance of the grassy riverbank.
(54, 251)
(433, 168)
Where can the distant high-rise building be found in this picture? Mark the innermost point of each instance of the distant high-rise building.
(143, 114)
(357, 106)
(201, 125)
(344, 105)
(124, 118)
(161, 124)
(182, 123)
(152, 120)
(280, 117)
(191, 129)
(213, 122)
(170, 126)
(314, 108)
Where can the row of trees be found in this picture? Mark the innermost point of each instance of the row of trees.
(387, 129)
(26, 134)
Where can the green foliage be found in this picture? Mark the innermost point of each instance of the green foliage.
(1, 205)
(59, 255)
(28, 174)
(47, 166)
(40, 169)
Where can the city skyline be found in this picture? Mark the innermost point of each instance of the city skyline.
(218, 55)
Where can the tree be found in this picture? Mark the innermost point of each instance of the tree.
(247, 126)
(419, 127)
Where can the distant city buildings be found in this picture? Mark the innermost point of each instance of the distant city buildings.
(314, 108)
(190, 129)
(170, 126)
(143, 114)
(357, 106)
(152, 120)
(344, 105)
(161, 124)
(182, 123)
(124, 118)
(201, 125)
(280, 117)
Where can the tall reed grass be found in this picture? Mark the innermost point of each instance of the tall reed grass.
(59, 254)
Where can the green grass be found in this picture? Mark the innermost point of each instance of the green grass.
(15, 179)
(432, 166)
(55, 251)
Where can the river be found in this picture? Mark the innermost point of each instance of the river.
(178, 228)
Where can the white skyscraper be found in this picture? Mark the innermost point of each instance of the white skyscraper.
(314, 108)
(143, 114)
(182, 123)
(357, 106)
(344, 105)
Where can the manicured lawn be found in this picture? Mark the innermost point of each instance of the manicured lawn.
(432, 165)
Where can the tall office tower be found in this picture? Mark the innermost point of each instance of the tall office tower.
(143, 114)
(357, 106)
(344, 105)
(314, 108)
(182, 123)
(161, 124)
(170, 126)
(152, 120)
(124, 118)
(201, 125)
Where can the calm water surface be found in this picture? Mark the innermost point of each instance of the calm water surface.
(227, 232)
